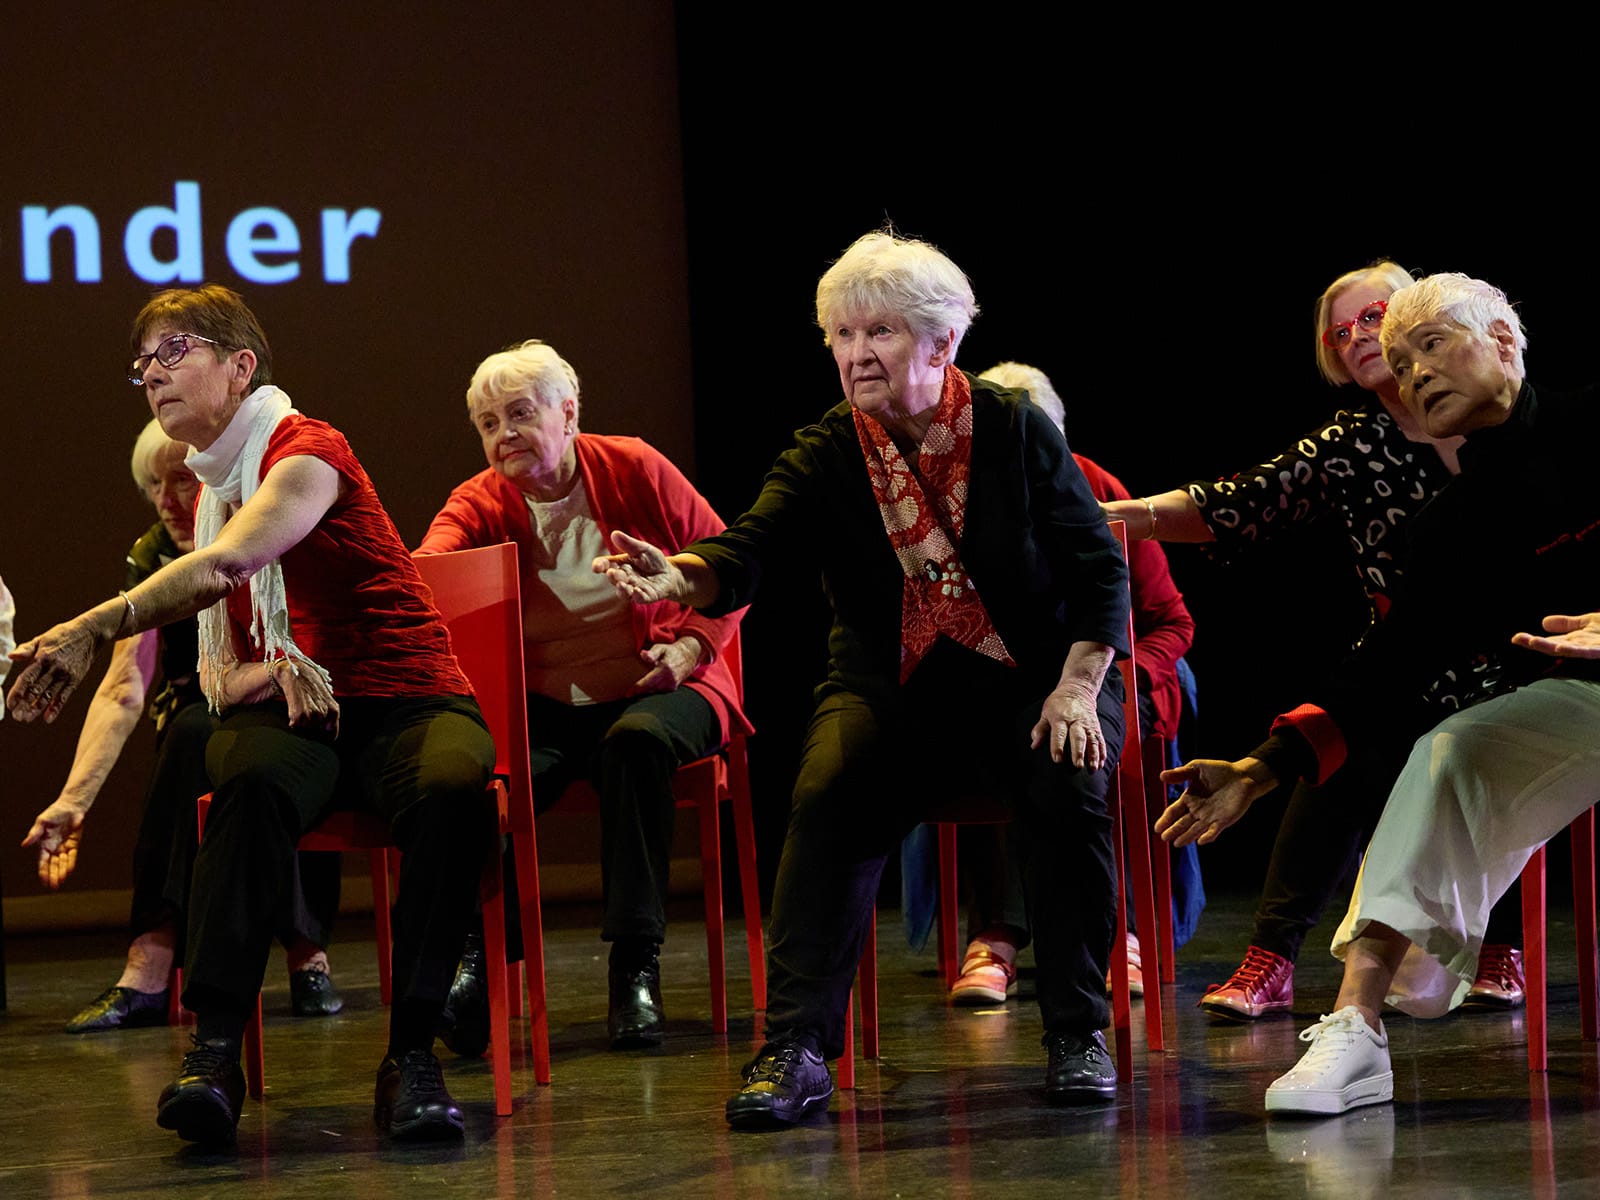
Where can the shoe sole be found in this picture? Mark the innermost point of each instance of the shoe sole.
(636, 1041)
(1081, 1094)
(1375, 1089)
(975, 997)
(767, 1117)
(1497, 1003)
(198, 1119)
(1240, 1016)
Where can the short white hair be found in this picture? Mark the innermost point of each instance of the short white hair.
(152, 441)
(534, 366)
(1033, 381)
(1470, 303)
(884, 273)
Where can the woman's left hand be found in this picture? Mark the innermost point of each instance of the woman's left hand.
(1069, 722)
(670, 662)
(53, 664)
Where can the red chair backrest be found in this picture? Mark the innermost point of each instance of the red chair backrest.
(479, 595)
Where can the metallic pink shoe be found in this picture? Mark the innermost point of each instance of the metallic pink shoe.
(1499, 982)
(1135, 969)
(1263, 983)
(988, 973)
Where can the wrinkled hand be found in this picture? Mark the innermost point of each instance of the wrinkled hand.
(1216, 794)
(310, 700)
(54, 663)
(670, 662)
(639, 571)
(1069, 723)
(56, 831)
(1576, 637)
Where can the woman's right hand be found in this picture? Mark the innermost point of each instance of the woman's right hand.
(57, 832)
(308, 696)
(640, 572)
(1216, 794)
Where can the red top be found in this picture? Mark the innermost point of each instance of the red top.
(631, 487)
(356, 603)
(1163, 630)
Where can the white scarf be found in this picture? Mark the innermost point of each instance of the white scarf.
(231, 472)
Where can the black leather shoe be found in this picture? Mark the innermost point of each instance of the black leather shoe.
(411, 1103)
(313, 994)
(633, 1015)
(202, 1103)
(782, 1084)
(1080, 1070)
(121, 1008)
(464, 1023)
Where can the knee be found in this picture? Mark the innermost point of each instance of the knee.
(190, 729)
(636, 738)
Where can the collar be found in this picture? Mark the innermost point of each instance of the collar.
(1494, 439)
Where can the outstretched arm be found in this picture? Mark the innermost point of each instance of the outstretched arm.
(294, 496)
(112, 715)
(1169, 517)
(1573, 637)
(643, 574)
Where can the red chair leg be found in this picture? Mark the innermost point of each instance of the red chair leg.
(744, 831)
(1136, 827)
(869, 992)
(491, 892)
(1533, 959)
(1160, 857)
(1121, 1005)
(711, 878)
(1583, 910)
(525, 848)
(949, 951)
(382, 902)
(847, 1060)
(175, 1010)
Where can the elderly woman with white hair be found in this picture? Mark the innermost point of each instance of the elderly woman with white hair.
(164, 849)
(1489, 784)
(620, 695)
(978, 601)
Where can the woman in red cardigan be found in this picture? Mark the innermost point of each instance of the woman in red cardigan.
(620, 694)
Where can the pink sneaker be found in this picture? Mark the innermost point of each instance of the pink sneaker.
(988, 973)
(1135, 968)
(1262, 984)
(1499, 982)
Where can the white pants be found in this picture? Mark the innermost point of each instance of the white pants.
(1479, 794)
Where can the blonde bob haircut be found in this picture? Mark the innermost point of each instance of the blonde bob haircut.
(151, 442)
(1381, 273)
(1470, 303)
(881, 273)
(534, 367)
(1033, 381)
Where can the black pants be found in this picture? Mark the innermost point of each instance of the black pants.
(628, 749)
(421, 763)
(1320, 841)
(163, 852)
(869, 772)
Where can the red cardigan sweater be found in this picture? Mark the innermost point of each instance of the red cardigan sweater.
(631, 487)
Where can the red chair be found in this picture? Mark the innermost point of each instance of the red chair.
(478, 594)
(704, 785)
(1533, 942)
(1132, 857)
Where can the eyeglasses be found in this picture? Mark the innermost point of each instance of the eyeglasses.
(169, 353)
(1368, 319)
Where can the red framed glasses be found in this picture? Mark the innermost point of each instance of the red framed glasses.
(1367, 320)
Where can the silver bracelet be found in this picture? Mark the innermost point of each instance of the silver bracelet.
(131, 617)
(1150, 507)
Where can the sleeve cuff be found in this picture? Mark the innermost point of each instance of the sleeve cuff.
(1324, 743)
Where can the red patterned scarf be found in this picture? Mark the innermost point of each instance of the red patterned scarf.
(924, 519)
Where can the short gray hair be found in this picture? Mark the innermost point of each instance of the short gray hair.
(152, 441)
(534, 366)
(1470, 303)
(884, 273)
(1033, 381)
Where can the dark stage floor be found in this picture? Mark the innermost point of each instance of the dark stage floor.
(954, 1107)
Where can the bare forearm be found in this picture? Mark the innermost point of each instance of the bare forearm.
(1086, 666)
(1177, 517)
(112, 715)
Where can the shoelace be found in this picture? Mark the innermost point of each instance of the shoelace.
(204, 1059)
(772, 1067)
(1497, 967)
(1257, 965)
(421, 1072)
(1330, 1036)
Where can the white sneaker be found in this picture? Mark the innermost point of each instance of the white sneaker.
(1347, 1066)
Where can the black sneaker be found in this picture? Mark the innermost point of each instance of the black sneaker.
(313, 994)
(202, 1104)
(1080, 1070)
(411, 1103)
(782, 1084)
(634, 1016)
(120, 1008)
(464, 1023)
